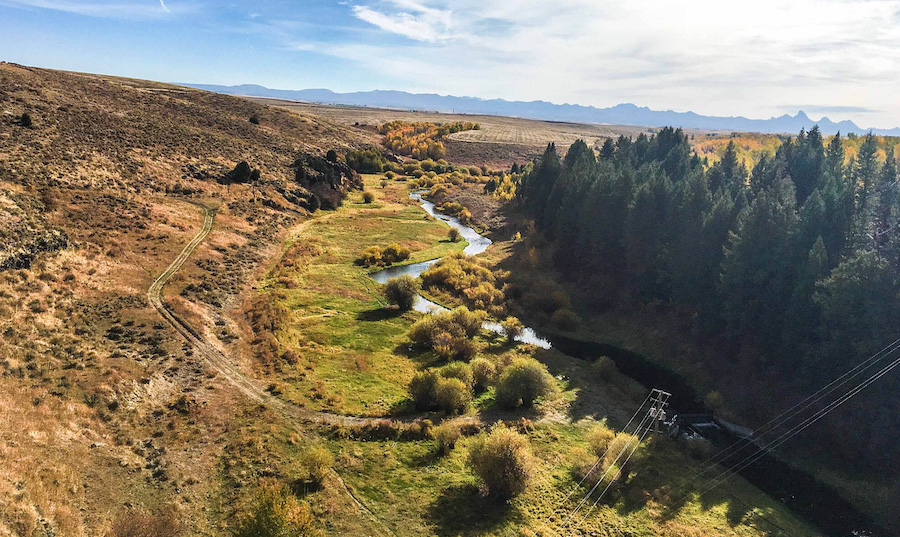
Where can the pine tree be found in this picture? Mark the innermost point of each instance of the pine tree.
(608, 151)
(758, 269)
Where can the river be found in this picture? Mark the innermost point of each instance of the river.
(820, 505)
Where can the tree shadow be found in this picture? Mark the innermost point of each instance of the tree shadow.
(377, 314)
(462, 510)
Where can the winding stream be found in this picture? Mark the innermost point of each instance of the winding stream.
(477, 244)
(802, 493)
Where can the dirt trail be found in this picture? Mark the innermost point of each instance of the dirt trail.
(218, 361)
(214, 357)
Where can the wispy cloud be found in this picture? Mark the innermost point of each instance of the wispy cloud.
(409, 19)
(105, 9)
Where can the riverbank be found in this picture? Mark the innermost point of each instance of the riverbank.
(353, 357)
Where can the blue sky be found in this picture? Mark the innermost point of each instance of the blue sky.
(839, 58)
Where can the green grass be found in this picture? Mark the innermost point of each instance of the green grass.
(415, 491)
(354, 359)
(337, 320)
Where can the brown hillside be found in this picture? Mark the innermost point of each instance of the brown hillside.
(103, 405)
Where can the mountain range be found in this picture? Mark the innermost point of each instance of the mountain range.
(621, 114)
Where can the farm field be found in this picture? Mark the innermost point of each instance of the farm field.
(498, 143)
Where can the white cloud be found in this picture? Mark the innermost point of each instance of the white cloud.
(115, 9)
(409, 19)
(709, 56)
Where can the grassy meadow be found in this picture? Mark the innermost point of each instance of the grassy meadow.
(355, 359)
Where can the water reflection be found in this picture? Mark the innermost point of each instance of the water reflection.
(477, 244)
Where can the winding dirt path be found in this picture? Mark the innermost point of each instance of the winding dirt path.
(246, 385)
(215, 357)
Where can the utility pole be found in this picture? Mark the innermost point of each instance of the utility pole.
(659, 400)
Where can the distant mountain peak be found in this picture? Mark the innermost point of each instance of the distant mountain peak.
(620, 114)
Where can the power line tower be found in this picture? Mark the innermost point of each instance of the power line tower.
(659, 401)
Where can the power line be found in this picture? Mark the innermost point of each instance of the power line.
(797, 429)
(598, 461)
(809, 401)
(662, 401)
(659, 398)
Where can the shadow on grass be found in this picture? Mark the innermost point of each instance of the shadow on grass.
(378, 314)
(462, 510)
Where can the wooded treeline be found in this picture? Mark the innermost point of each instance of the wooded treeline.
(791, 268)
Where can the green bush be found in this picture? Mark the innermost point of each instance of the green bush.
(503, 462)
(368, 160)
(275, 512)
(401, 292)
(317, 462)
(429, 391)
(484, 374)
(605, 368)
(458, 370)
(447, 435)
(422, 390)
(254, 119)
(599, 438)
(331, 155)
(448, 333)
(25, 120)
(453, 234)
(513, 328)
(368, 197)
(452, 395)
(524, 381)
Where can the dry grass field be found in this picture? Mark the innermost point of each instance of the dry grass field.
(499, 142)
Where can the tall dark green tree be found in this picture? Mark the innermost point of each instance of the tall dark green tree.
(758, 269)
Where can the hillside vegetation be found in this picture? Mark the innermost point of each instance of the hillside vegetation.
(275, 391)
(782, 276)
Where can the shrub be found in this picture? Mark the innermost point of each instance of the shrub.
(365, 160)
(452, 395)
(374, 255)
(513, 328)
(317, 461)
(453, 234)
(422, 390)
(605, 368)
(565, 319)
(242, 173)
(401, 292)
(25, 120)
(467, 278)
(458, 370)
(254, 119)
(599, 438)
(447, 435)
(523, 382)
(503, 462)
(389, 175)
(368, 197)
(331, 155)
(447, 333)
(276, 512)
(484, 374)
(140, 523)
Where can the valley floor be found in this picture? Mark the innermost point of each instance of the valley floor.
(354, 360)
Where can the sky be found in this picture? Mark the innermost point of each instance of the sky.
(835, 58)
